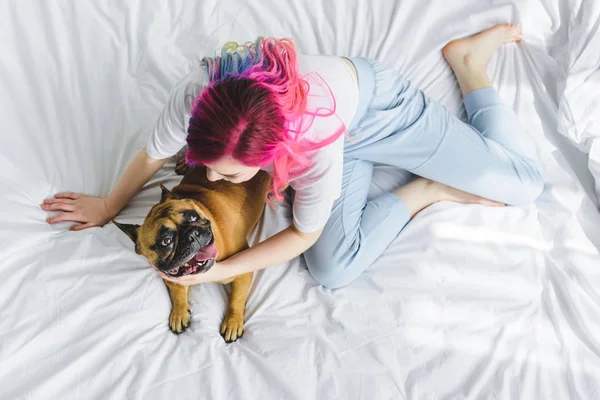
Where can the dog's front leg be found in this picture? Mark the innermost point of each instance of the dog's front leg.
(232, 327)
(179, 320)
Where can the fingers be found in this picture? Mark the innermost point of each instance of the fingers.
(182, 280)
(58, 206)
(61, 200)
(65, 216)
(165, 277)
(82, 226)
(188, 280)
(161, 274)
(62, 204)
(67, 195)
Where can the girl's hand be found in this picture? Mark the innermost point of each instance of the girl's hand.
(89, 211)
(219, 272)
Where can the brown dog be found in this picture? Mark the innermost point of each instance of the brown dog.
(201, 222)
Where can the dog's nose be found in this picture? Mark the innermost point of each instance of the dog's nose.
(193, 235)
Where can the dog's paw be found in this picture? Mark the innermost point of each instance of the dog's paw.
(179, 320)
(181, 168)
(232, 327)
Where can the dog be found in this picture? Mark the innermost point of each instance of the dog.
(197, 224)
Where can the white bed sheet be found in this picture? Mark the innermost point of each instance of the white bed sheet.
(469, 302)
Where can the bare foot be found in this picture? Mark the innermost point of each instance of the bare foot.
(476, 51)
(421, 193)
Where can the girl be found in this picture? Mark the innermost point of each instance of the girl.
(319, 123)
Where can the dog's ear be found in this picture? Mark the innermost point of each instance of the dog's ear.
(167, 194)
(130, 230)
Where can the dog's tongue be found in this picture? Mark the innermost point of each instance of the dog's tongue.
(207, 253)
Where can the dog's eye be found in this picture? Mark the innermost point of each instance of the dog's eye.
(193, 218)
(166, 241)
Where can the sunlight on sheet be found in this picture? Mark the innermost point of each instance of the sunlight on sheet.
(448, 230)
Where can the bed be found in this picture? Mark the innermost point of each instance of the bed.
(468, 303)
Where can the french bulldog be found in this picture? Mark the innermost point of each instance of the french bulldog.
(195, 225)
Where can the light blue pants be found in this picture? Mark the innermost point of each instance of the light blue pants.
(396, 124)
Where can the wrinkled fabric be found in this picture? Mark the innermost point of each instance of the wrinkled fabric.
(469, 302)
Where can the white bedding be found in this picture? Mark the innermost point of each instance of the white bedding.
(468, 303)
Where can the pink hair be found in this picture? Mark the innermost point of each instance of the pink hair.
(252, 110)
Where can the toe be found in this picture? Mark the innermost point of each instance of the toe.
(512, 32)
(175, 326)
(179, 322)
(232, 330)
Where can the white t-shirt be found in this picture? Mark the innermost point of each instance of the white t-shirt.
(317, 188)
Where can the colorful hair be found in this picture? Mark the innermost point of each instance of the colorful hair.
(254, 110)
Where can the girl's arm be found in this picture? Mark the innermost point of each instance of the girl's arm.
(290, 243)
(279, 248)
(137, 174)
(97, 211)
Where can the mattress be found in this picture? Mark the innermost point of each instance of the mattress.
(468, 303)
